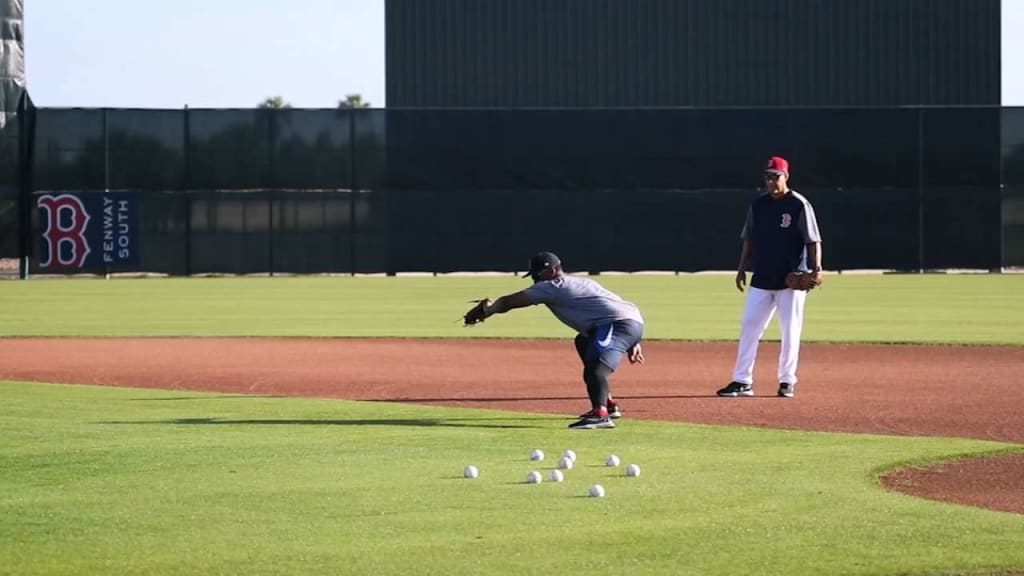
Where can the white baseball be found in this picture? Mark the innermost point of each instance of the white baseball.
(534, 478)
(632, 470)
(597, 491)
(470, 472)
(612, 460)
(566, 463)
(537, 455)
(570, 454)
(556, 476)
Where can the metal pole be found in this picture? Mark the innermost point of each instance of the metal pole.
(106, 174)
(272, 118)
(270, 230)
(1002, 201)
(920, 190)
(26, 139)
(353, 190)
(106, 152)
(187, 128)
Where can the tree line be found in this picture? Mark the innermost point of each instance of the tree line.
(350, 101)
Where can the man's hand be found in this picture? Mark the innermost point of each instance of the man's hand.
(636, 354)
(741, 280)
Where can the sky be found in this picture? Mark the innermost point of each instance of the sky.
(236, 53)
(203, 53)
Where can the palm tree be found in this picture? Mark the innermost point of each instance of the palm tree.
(353, 101)
(276, 102)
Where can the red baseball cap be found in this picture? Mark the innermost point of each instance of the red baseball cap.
(777, 165)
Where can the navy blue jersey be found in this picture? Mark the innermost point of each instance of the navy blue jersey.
(779, 231)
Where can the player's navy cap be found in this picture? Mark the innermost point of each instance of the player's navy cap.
(777, 165)
(542, 261)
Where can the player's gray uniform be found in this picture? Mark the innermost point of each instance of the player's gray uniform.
(611, 325)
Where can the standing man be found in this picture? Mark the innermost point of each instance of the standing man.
(608, 328)
(780, 236)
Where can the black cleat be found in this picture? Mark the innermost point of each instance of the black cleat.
(591, 422)
(735, 389)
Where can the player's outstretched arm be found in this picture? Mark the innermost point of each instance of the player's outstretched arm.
(485, 307)
(509, 302)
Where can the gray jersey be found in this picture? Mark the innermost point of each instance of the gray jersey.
(581, 303)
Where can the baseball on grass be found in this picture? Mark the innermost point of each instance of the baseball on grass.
(556, 476)
(534, 478)
(470, 472)
(570, 454)
(612, 460)
(597, 491)
(632, 470)
(566, 463)
(537, 455)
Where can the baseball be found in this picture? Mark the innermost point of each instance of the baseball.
(470, 472)
(612, 461)
(556, 476)
(537, 455)
(566, 463)
(632, 470)
(534, 478)
(597, 491)
(571, 455)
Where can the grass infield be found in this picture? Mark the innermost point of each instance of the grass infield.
(100, 480)
(130, 481)
(950, 309)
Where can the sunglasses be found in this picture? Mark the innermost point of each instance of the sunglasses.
(771, 176)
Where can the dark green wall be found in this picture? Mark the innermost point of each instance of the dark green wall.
(497, 53)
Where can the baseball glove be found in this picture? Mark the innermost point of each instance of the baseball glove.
(800, 280)
(476, 314)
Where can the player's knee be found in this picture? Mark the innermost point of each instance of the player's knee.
(596, 371)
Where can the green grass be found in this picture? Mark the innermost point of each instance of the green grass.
(125, 481)
(129, 481)
(955, 309)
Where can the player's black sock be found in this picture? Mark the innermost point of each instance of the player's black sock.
(601, 374)
(596, 377)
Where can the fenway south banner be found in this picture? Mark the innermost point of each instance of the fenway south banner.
(88, 230)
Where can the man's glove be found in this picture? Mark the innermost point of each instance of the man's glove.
(799, 280)
(476, 314)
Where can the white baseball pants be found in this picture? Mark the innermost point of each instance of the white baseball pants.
(757, 313)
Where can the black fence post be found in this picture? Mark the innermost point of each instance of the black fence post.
(1002, 201)
(353, 187)
(920, 190)
(271, 182)
(26, 143)
(187, 184)
(106, 171)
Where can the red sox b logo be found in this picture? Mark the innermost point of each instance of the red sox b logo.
(66, 246)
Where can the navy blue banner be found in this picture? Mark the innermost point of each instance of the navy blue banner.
(88, 230)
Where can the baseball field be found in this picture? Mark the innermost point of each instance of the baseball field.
(322, 425)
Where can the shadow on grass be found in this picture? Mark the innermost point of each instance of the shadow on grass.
(583, 399)
(422, 422)
(210, 397)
